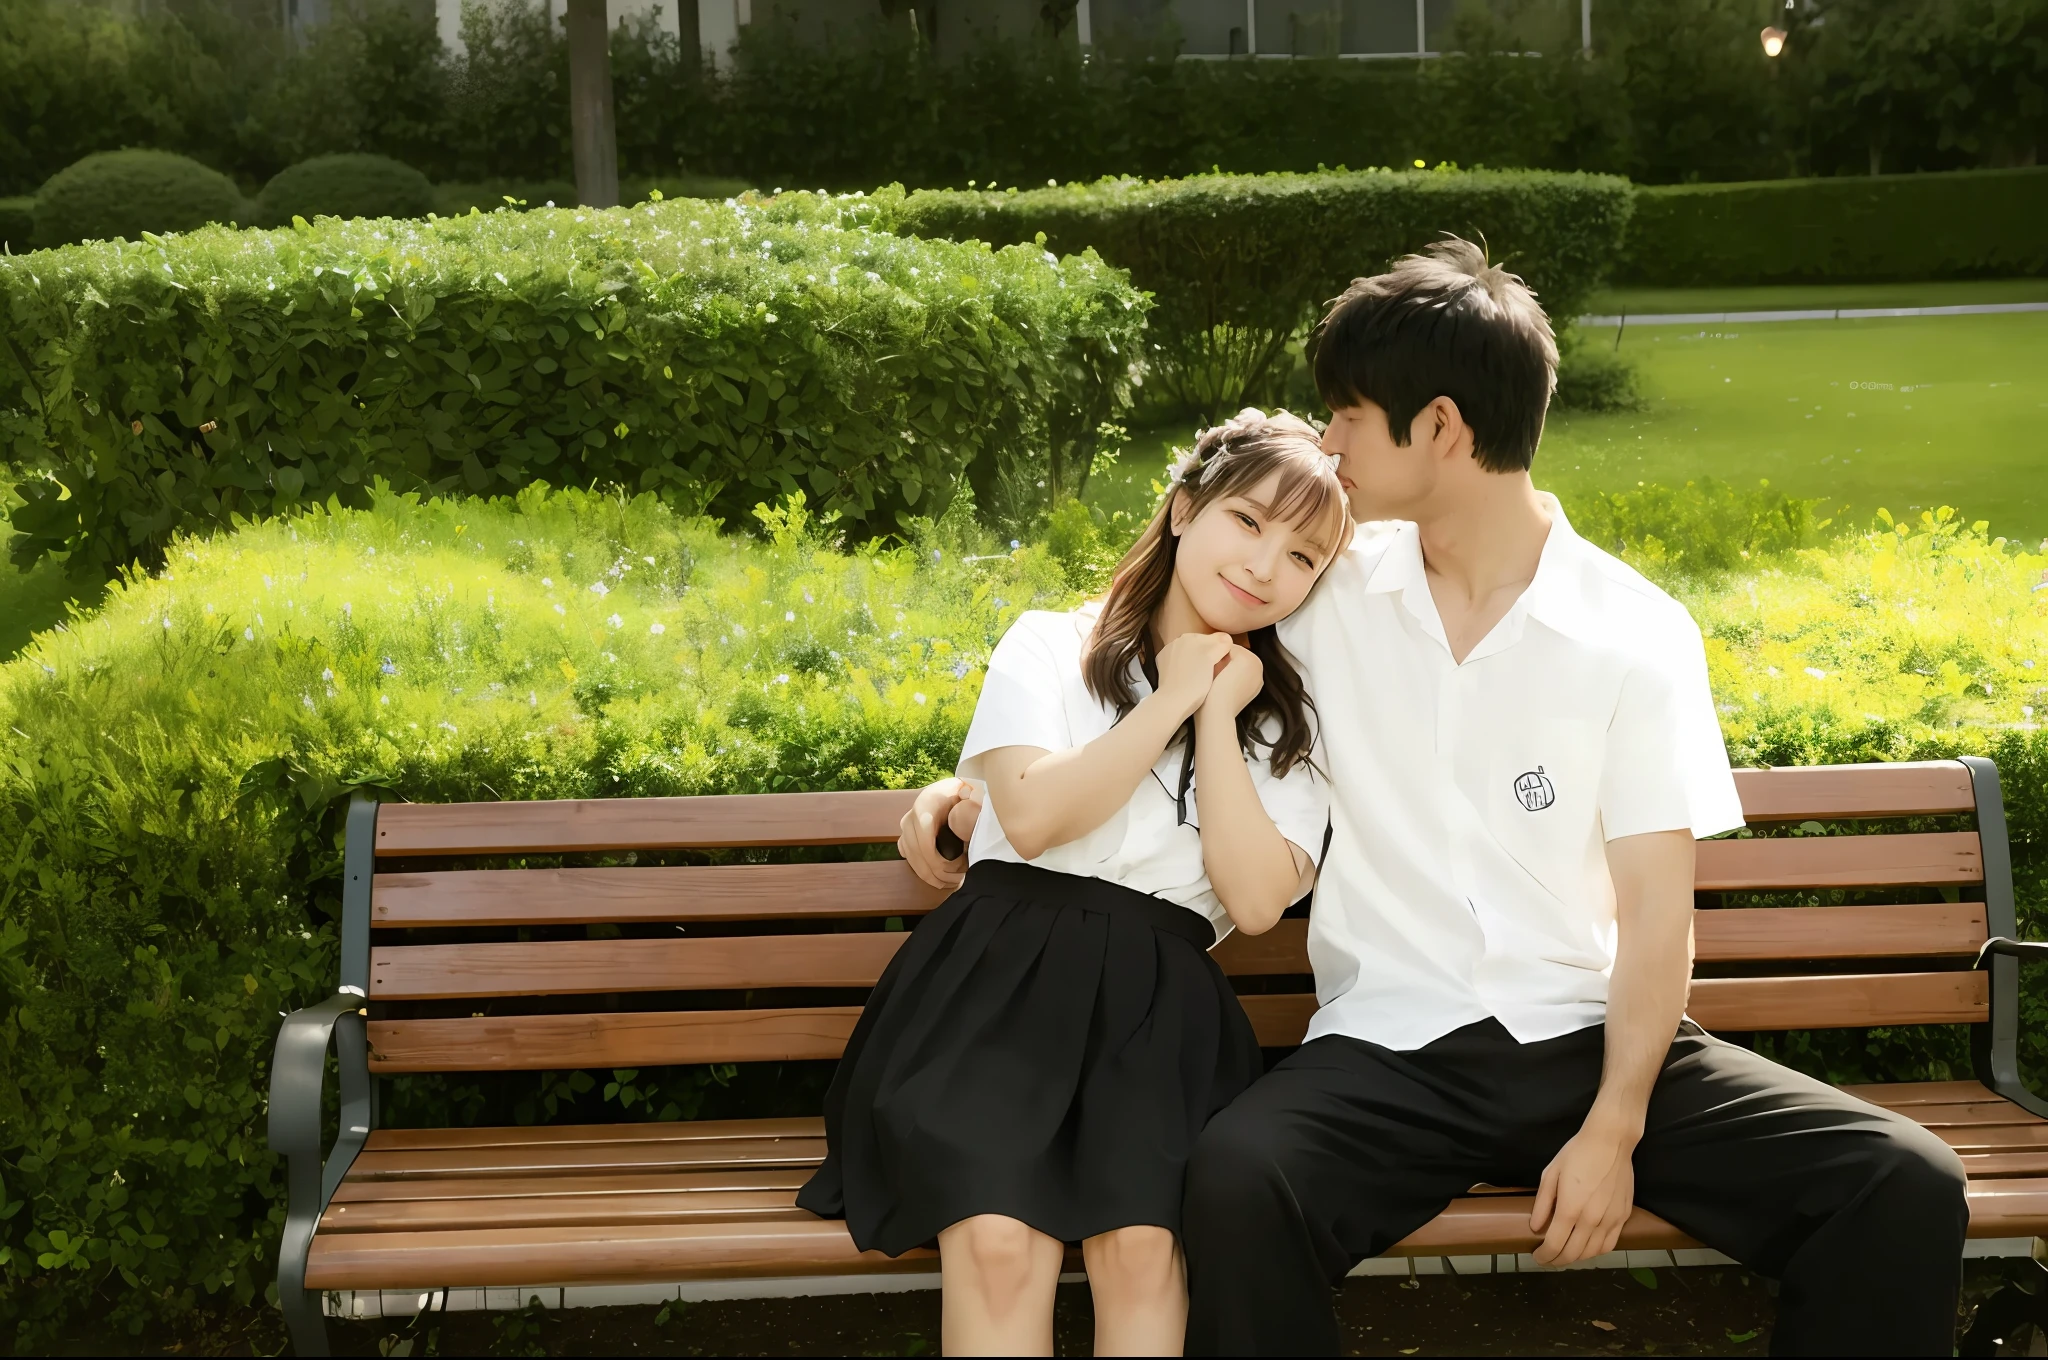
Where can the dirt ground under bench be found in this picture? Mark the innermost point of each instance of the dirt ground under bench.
(1697, 1311)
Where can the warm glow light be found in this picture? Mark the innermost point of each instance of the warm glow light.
(1774, 41)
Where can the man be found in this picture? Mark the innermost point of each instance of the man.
(1522, 750)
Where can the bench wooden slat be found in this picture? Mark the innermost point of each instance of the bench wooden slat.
(595, 824)
(574, 967)
(646, 1131)
(1900, 1095)
(727, 1154)
(1500, 1223)
(570, 967)
(1938, 858)
(519, 1256)
(2015, 1137)
(1840, 1002)
(1826, 792)
(356, 1190)
(606, 1211)
(717, 892)
(1915, 931)
(635, 1039)
(1281, 950)
(1988, 1165)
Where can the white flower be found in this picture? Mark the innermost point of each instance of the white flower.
(560, 610)
(789, 616)
(600, 589)
(918, 697)
(306, 699)
(383, 698)
(548, 581)
(348, 609)
(656, 629)
(1816, 673)
(782, 679)
(326, 674)
(615, 621)
(248, 635)
(809, 600)
(445, 726)
(167, 623)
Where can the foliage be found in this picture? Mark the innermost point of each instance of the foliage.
(1592, 375)
(719, 355)
(345, 185)
(1975, 223)
(126, 193)
(17, 224)
(1702, 528)
(171, 815)
(1674, 91)
(1241, 264)
(172, 806)
(1912, 642)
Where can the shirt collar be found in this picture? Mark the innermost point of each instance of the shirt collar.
(1556, 595)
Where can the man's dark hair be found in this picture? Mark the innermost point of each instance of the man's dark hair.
(1444, 324)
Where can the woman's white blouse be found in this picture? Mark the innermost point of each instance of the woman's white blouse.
(1034, 696)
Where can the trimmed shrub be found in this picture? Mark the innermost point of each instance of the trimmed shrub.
(347, 185)
(117, 194)
(173, 804)
(717, 355)
(1966, 224)
(17, 224)
(1240, 264)
(490, 195)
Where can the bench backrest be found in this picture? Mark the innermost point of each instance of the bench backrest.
(637, 965)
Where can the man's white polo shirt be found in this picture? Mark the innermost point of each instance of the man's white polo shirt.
(1472, 803)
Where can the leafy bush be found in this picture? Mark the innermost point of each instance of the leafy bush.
(172, 875)
(1972, 223)
(345, 185)
(17, 224)
(126, 193)
(1240, 264)
(718, 355)
(1591, 376)
(489, 195)
(172, 806)
(1699, 529)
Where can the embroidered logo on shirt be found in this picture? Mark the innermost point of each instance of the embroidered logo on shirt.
(1534, 790)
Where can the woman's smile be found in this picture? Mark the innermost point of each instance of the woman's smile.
(1244, 597)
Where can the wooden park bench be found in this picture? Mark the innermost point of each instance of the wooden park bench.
(447, 969)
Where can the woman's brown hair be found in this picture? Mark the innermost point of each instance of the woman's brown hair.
(1231, 459)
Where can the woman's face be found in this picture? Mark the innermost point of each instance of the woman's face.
(1242, 567)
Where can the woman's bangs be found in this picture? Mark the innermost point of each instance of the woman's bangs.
(1311, 499)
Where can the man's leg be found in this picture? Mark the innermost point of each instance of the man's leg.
(1857, 1212)
(1341, 1151)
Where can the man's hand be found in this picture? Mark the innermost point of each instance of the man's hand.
(1585, 1197)
(952, 802)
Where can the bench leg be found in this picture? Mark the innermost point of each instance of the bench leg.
(301, 1306)
(2012, 1307)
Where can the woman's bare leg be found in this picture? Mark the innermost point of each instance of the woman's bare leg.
(999, 1276)
(1140, 1285)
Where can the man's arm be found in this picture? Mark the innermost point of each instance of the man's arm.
(1588, 1190)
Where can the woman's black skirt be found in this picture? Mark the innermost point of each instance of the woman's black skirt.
(1044, 1047)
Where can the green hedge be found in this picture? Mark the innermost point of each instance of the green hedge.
(126, 193)
(171, 806)
(351, 184)
(716, 354)
(1966, 224)
(1240, 264)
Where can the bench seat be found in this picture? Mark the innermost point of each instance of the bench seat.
(647, 933)
(623, 1203)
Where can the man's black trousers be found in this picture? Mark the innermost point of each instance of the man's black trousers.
(1346, 1147)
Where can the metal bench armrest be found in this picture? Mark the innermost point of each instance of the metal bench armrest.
(298, 1079)
(2026, 951)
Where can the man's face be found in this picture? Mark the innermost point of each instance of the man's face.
(1384, 480)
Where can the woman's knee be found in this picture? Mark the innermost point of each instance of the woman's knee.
(1141, 1257)
(996, 1249)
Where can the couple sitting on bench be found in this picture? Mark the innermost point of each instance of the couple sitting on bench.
(1489, 747)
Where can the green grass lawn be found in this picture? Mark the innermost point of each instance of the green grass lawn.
(1806, 297)
(1906, 413)
(31, 600)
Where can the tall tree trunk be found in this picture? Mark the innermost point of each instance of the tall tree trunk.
(592, 132)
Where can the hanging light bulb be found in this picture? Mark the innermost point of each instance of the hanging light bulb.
(1774, 41)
